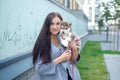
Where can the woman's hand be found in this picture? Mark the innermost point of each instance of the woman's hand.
(78, 41)
(64, 57)
(74, 44)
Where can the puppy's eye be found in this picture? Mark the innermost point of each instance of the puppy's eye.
(66, 28)
(61, 27)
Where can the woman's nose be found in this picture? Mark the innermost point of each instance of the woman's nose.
(55, 25)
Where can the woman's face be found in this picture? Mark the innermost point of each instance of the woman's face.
(55, 26)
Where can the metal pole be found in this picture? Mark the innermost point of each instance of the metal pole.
(110, 35)
(117, 39)
(107, 35)
(114, 41)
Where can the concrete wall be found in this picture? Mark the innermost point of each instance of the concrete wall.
(20, 24)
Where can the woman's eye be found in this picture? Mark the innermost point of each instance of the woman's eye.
(58, 23)
(52, 23)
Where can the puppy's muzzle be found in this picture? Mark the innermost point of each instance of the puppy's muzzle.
(63, 32)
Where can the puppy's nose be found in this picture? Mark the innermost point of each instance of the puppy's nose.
(63, 32)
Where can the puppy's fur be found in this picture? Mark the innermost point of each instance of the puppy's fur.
(67, 34)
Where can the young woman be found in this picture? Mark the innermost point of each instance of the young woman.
(50, 58)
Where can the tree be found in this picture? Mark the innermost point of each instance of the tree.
(106, 14)
(111, 11)
(100, 24)
(116, 5)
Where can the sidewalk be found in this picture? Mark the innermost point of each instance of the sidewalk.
(113, 65)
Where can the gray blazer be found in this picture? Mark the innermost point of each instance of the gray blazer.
(51, 71)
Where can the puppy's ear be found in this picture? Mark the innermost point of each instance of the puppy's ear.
(70, 24)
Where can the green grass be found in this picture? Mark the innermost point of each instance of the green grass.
(110, 52)
(95, 32)
(92, 66)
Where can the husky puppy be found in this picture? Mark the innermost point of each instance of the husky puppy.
(67, 34)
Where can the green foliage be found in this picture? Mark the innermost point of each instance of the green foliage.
(107, 7)
(106, 10)
(117, 1)
(118, 26)
(106, 14)
(117, 12)
(100, 23)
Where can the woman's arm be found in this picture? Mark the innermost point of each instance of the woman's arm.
(75, 50)
(45, 69)
(75, 53)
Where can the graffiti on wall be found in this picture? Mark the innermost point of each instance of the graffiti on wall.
(17, 41)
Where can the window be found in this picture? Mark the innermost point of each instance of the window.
(68, 4)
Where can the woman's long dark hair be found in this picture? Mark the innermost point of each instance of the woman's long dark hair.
(42, 45)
